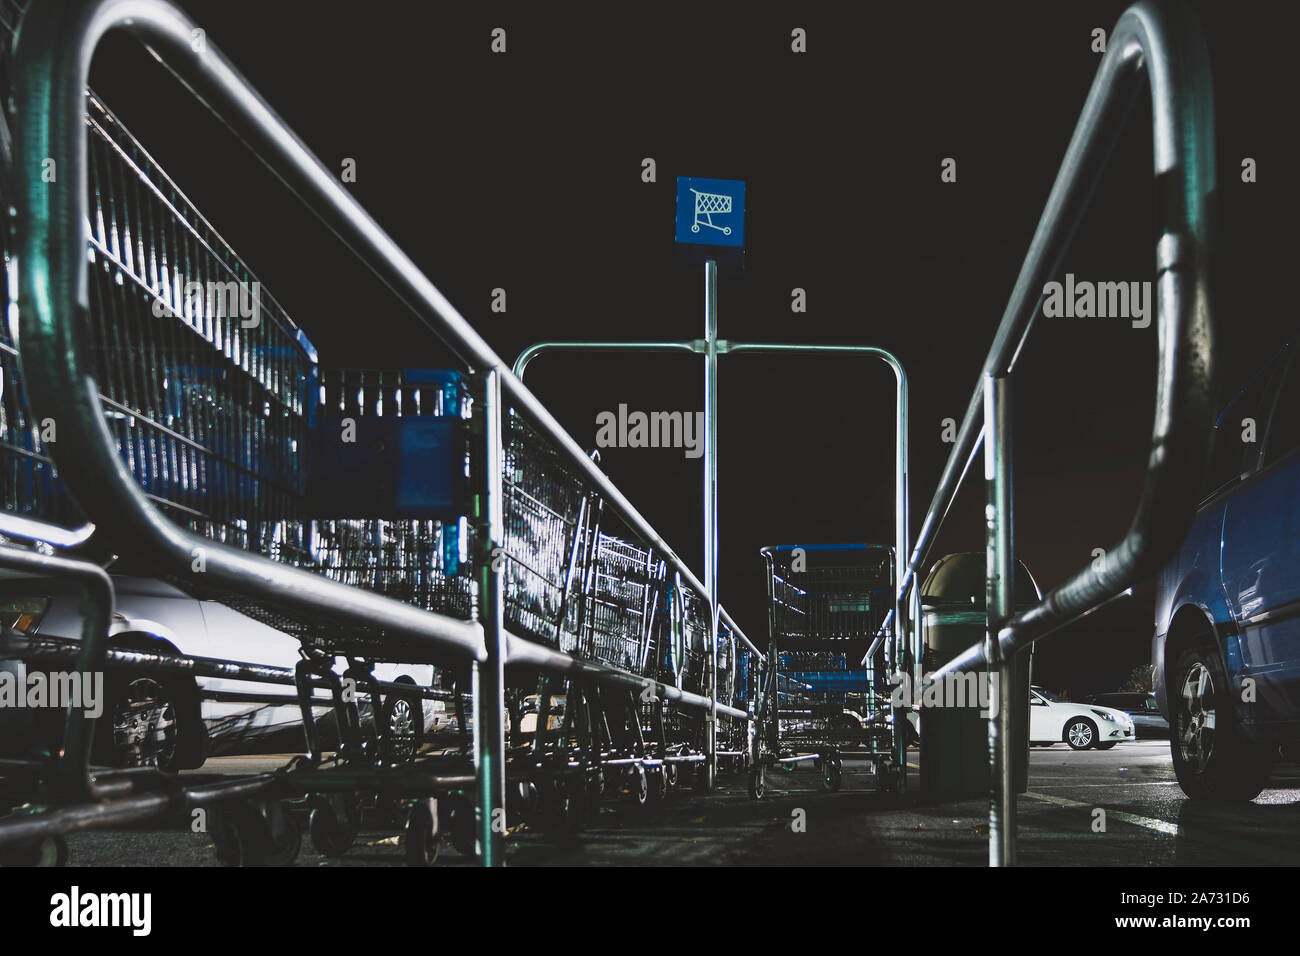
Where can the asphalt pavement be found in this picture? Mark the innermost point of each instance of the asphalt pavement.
(1087, 808)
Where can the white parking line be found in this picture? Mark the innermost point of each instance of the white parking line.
(1160, 826)
(1111, 786)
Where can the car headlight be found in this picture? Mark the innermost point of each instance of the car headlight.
(1106, 715)
(23, 614)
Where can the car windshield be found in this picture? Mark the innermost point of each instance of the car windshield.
(1048, 695)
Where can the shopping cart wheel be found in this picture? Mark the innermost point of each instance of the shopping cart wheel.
(47, 851)
(638, 787)
(334, 823)
(595, 792)
(577, 804)
(564, 806)
(831, 773)
(757, 782)
(671, 776)
(726, 230)
(523, 799)
(255, 833)
(658, 786)
(421, 838)
(461, 825)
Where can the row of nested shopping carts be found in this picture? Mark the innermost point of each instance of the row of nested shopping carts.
(162, 416)
(831, 677)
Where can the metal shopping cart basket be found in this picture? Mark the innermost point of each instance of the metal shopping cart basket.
(826, 604)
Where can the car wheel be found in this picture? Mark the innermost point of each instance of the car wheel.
(403, 718)
(140, 726)
(1107, 745)
(1080, 733)
(1213, 760)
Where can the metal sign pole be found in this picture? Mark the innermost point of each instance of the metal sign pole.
(711, 510)
(489, 675)
(999, 597)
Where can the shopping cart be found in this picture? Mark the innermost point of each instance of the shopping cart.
(443, 519)
(826, 603)
(708, 205)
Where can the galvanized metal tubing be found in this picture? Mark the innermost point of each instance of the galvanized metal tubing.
(1161, 42)
(902, 528)
(711, 512)
(51, 64)
(999, 597)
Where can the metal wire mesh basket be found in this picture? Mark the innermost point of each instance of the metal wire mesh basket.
(547, 518)
(839, 595)
(624, 601)
(205, 382)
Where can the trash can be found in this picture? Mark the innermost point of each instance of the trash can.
(955, 739)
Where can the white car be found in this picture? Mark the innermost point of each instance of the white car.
(177, 722)
(1082, 726)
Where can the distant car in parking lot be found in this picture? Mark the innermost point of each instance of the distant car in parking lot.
(176, 721)
(1227, 635)
(1141, 706)
(1082, 726)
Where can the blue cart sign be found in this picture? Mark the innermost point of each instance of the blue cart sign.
(711, 212)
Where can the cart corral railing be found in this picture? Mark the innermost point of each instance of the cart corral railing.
(1161, 42)
(66, 383)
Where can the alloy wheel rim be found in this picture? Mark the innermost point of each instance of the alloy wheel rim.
(1080, 734)
(1197, 717)
(401, 727)
(144, 725)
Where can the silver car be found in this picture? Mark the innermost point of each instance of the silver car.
(177, 721)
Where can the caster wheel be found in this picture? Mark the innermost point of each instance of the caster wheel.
(421, 838)
(285, 839)
(658, 787)
(461, 824)
(639, 786)
(256, 834)
(565, 808)
(671, 776)
(757, 782)
(831, 774)
(577, 805)
(524, 799)
(333, 823)
(47, 851)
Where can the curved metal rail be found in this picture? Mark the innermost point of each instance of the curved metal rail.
(1161, 43)
(52, 56)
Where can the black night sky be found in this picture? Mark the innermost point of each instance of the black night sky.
(522, 171)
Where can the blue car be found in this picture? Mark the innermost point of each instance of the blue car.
(1227, 628)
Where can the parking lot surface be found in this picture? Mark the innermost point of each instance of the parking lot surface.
(1147, 822)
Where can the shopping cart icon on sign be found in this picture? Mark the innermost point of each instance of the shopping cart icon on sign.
(708, 205)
